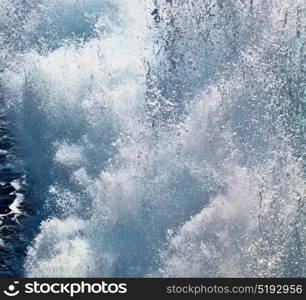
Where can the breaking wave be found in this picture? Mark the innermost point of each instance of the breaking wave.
(161, 138)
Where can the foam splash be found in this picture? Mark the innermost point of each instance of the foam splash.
(60, 249)
(161, 150)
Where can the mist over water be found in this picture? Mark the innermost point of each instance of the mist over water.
(160, 138)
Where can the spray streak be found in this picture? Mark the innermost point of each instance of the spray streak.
(168, 136)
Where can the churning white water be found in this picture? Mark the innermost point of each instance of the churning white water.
(161, 138)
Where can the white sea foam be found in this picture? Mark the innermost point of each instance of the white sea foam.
(157, 149)
(14, 207)
(16, 184)
(3, 152)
